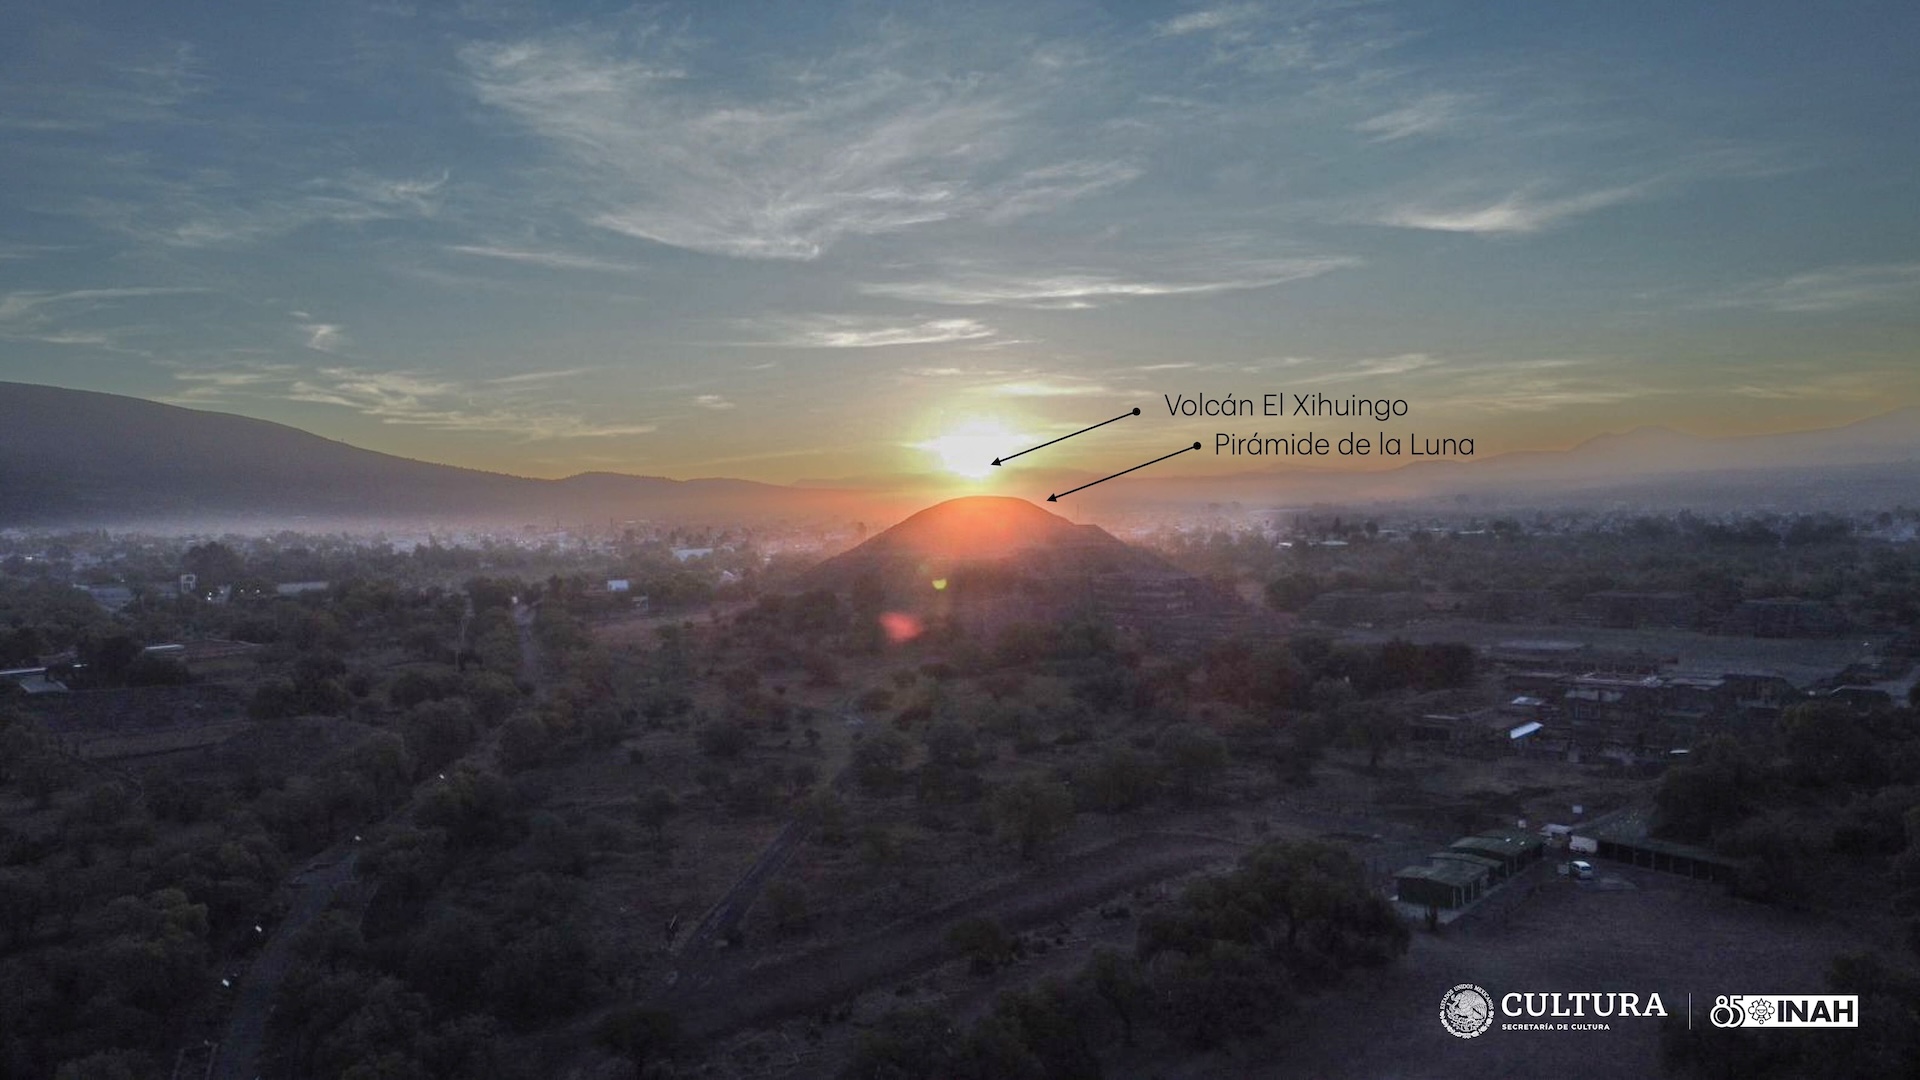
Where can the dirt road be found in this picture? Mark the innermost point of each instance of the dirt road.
(730, 994)
(239, 1054)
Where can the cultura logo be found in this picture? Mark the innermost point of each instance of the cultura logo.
(1466, 1010)
(1785, 1010)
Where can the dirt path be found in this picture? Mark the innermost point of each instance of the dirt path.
(727, 913)
(523, 616)
(239, 1053)
(732, 995)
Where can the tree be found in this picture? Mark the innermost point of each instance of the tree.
(1827, 744)
(908, 1044)
(1225, 992)
(952, 744)
(1192, 756)
(982, 941)
(437, 732)
(1116, 979)
(642, 1036)
(23, 898)
(1122, 779)
(787, 906)
(1051, 1021)
(654, 810)
(1291, 592)
(723, 739)
(1374, 730)
(1714, 790)
(826, 813)
(492, 695)
(1029, 812)
(475, 808)
(108, 658)
(877, 761)
(524, 742)
(801, 778)
(213, 564)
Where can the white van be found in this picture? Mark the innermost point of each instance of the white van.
(1582, 870)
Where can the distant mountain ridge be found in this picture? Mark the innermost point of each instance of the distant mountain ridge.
(1869, 462)
(76, 457)
(85, 459)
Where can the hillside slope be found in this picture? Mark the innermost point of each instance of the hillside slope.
(73, 457)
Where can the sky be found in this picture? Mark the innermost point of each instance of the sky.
(861, 243)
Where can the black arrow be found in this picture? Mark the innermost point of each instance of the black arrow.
(1123, 472)
(1063, 438)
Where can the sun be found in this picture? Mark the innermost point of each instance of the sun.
(969, 450)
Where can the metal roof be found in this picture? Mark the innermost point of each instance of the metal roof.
(1457, 873)
(1486, 861)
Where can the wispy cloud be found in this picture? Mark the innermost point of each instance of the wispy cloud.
(324, 337)
(870, 332)
(712, 401)
(1210, 20)
(1833, 288)
(224, 385)
(1431, 114)
(1086, 289)
(404, 398)
(1050, 387)
(27, 303)
(1549, 395)
(79, 83)
(1536, 386)
(1520, 212)
(218, 211)
(552, 260)
(69, 317)
(847, 149)
(1874, 382)
(1378, 367)
(23, 252)
(529, 377)
(1287, 37)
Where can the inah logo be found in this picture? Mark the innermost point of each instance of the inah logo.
(1466, 1010)
(1785, 1010)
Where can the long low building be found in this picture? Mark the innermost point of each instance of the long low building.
(1496, 870)
(1513, 850)
(1443, 884)
(1670, 858)
(1469, 867)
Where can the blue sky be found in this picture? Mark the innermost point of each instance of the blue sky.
(814, 241)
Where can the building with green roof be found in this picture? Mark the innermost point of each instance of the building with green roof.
(1442, 884)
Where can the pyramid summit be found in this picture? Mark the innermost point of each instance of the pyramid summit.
(979, 527)
(987, 561)
(1012, 535)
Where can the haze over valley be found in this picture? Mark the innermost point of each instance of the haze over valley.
(1028, 540)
